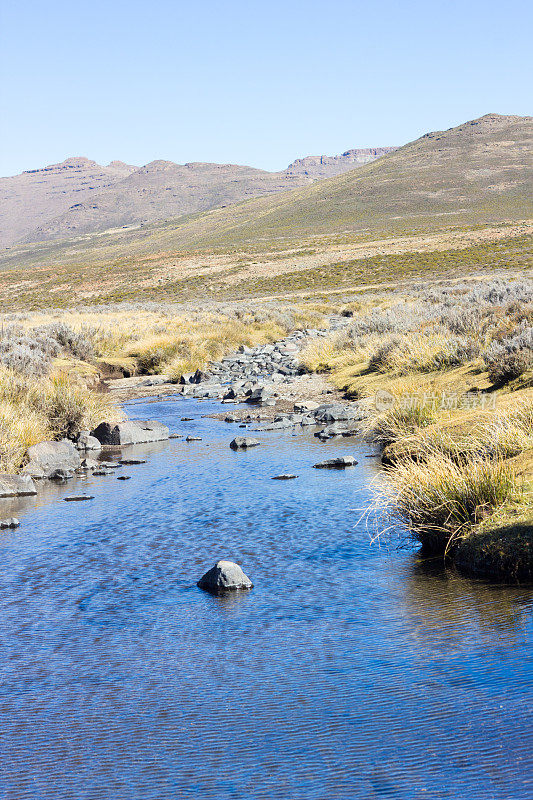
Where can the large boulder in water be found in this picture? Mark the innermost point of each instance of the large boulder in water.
(47, 457)
(131, 432)
(225, 576)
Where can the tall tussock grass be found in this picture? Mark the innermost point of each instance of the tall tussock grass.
(440, 499)
(51, 407)
(399, 422)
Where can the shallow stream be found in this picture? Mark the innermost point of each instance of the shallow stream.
(351, 671)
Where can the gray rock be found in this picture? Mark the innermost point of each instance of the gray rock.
(306, 406)
(336, 463)
(199, 376)
(259, 395)
(335, 412)
(61, 475)
(280, 425)
(50, 456)
(285, 477)
(193, 439)
(34, 471)
(126, 462)
(16, 485)
(338, 429)
(87, 442)
(131, 432)
(225, 576)
(88, 465)
(156, 380)
(78, 498)
(186, 378)
(242, 442)
(12, 522)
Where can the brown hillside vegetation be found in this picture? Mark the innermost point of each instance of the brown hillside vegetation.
(451, 203)
(79, 196)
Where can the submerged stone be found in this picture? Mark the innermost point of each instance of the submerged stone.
(12, 522)
(242, 442)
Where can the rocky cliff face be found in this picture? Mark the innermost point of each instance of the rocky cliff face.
(39, 195)
(326, 166)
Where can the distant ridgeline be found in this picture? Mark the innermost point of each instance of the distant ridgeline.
(80, 196)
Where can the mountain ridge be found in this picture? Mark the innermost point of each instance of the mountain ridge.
(78, 195)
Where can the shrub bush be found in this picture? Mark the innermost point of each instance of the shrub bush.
(511, 358)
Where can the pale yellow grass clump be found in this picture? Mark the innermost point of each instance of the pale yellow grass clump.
(440, 498)
(35, 409)
(318, 356)
(20, 427)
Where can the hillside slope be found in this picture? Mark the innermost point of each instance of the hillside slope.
(38, 195)
(479, 172)
(79, 196)
(475, 175)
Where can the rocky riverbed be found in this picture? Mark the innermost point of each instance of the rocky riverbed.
(266, 376)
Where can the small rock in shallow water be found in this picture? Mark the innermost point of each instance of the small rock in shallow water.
(123, 477)
(187, 419)
(336, 463)
(78, 498)
(286, 477)
(61, 475)
(242, 442)
(109, 464)
(88, 465)
(12, 522)
(130, 461)
(225, 576)
(176, 436)
(193, 439)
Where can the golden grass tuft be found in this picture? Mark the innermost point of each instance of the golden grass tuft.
(35, 409)
(441, 499)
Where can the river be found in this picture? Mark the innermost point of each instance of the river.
(353, 670)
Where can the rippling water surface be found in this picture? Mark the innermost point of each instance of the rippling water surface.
(350, 671)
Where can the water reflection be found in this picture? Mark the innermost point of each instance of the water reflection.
(440, 597)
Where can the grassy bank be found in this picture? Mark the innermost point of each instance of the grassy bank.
(446, 378)
(51, 363)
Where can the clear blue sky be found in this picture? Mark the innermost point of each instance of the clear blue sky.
(248, 82)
